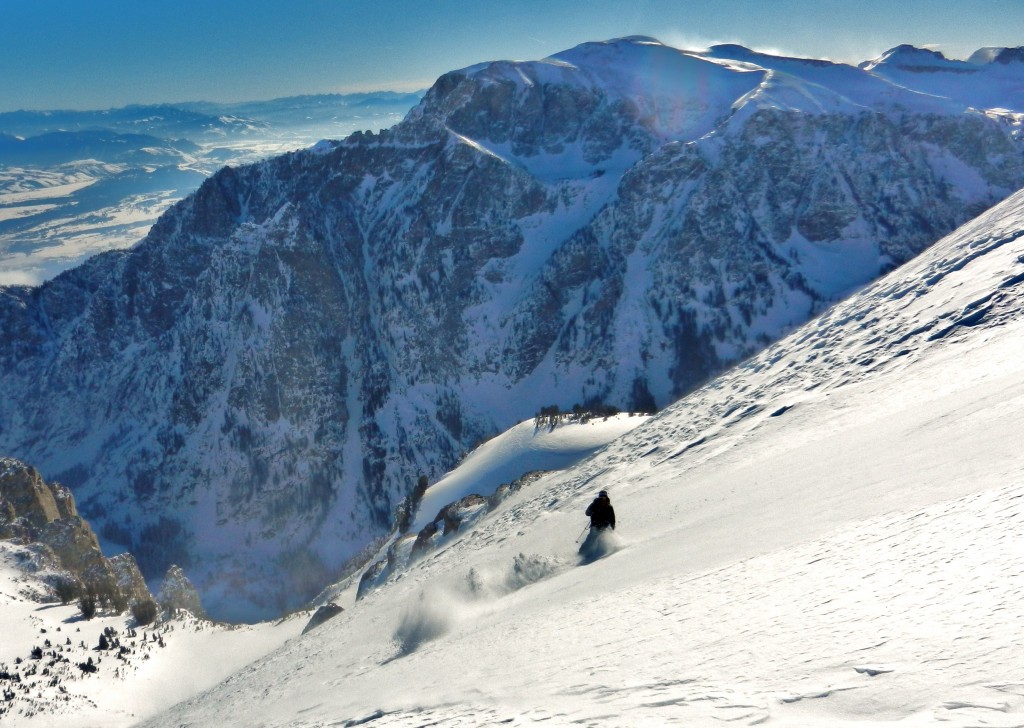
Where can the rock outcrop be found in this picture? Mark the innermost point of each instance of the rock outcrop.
(34, 512)
(323, 613)
(129, 579)
(178, 593)
(452, 519)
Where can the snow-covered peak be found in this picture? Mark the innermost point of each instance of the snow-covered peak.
(1004, 56)
(991, 79)
(634, 89)
(818, 86)
(913, 58)
(603, 105)
(736, 52)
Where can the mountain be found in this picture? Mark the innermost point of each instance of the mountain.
(317, 109)
(204, 121)
(1004, 56)
(252, 390)
(990, 79)
(824, 536)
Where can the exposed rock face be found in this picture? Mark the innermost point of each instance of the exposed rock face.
(452, 518)
(1010, 55)
(33, 511)
(25, 495)
(261, 380)
(177, 592)
(75, 544)
(129, 579)
(373, 577)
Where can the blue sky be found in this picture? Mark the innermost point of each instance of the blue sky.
(89, 54)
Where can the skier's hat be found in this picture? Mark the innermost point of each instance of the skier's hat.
(603, 494)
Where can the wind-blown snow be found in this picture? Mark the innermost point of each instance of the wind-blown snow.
(828, 535)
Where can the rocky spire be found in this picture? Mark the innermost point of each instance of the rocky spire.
(177, 592)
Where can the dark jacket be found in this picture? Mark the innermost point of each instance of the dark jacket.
(601, 513)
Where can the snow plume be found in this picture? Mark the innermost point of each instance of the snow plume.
(490, 584)
(598, 544)
(693, 42)
(436, 610)
(529, 569)
(429, 617)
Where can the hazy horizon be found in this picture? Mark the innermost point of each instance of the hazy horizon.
(61, 54)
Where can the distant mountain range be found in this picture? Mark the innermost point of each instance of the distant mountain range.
(76, 183)
(205, 121)
(253, 389)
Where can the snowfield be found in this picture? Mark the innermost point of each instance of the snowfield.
(828, 535)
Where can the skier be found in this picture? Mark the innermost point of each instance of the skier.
(602, 517)
(601, 513)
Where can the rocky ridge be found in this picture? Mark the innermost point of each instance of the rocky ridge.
(43, 516)
(252, 390)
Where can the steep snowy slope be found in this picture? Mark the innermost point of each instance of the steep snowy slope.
(252, 390)
(826, 535)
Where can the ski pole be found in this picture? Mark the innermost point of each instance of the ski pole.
(581, 533)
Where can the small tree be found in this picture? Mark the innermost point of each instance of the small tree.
(117, 600)
(87, 604)
(405, 510)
